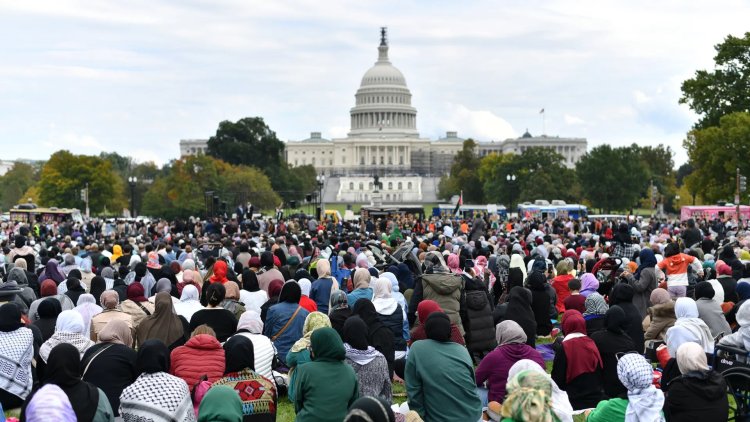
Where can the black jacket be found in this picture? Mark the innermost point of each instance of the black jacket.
(609, 345)
(584, 391)
(697, 396)
(479, 324)
(395, 323)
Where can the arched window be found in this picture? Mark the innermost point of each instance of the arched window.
(400, 186)
(408, 186)
(388, 197)
(351, 185)
(361, 186)
(390, 185)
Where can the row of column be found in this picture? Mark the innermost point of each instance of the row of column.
(384, 119)
(396, 157)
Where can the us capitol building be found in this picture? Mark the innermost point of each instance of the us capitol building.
(384, 141)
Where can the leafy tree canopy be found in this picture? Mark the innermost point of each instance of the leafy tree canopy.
(613, 178)
(464, 176)
(15, 183)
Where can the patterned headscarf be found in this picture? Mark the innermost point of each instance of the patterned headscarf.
(644, 400)
(313, 321)
(595, 305)
(529, 398)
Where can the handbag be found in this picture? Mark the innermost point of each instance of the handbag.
(94, 357)
(281, 331)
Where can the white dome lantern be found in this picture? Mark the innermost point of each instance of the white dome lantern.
(383, 101)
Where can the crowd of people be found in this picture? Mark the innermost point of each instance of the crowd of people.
(480, 319)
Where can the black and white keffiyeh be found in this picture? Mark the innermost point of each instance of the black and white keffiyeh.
(157, 397)
(16, 353)
(644, 400)
(78, 340)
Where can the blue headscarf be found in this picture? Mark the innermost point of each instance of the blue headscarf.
(648, 260)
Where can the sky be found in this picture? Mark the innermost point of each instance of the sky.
(135, 77)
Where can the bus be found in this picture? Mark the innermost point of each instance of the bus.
(31, 214)
(468, 210)
(711, 212)
(557, 209)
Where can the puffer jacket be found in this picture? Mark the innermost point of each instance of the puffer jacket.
(658, 320)
(201, 355)
(448, 291)
(480, 329)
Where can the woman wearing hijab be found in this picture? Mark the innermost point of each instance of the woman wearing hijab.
(189, 278)
(64, 370)
(378, 335)
(516, 261)
(50, 403)
(137, 305)
(660, 316)
(339, 311)
(163, 324)
(52, 272)
(120, 287)
(425, 309)
(48, 311)
(189, 302)
(741, 338)
(250, 326)
(219, 319)
(700, 393)
(48, 289)
(110, 312)
(16, 353)
(710, 311)
(320, 290)
(589, 284)
(111, 364)
(596, 309)
(644, 401)
(274, 290)
(70, 329)
(326, 387)
(446, 394)
(519, 309)
(728, 256)
(221, 403)
(155, 395)
(98, 286)
(611, 343)
(622, 295)
(299, 354)
(305, 301)
(258, 404)
(560, 404)
(361, 284)
(285, 320)
(371, 409)
(231, 300)
(75, 289)
(529, 398)
(19, 276)
(251, 294)
(390, 314)
(541, 303)
(369, 364)
(743, 294)
(688, 327)
(88, 309)
(577, 367)
(493, 369)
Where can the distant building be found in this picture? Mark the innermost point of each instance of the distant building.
(193, 147)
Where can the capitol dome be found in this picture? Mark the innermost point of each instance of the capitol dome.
(383, 101)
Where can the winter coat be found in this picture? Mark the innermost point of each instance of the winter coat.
(395, 323)
(446, 289)
(560, 284)
(610, 345)
(201, 355)
(643, 288)
(480, 327)
(697, 396)
(660, 318)
(540, 304)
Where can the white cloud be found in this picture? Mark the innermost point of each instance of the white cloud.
(478, 124)
(571, 120)
(641, 97)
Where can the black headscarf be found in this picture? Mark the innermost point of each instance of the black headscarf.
(355, 333)
(75, 273)
(519, 310)
(302, 273)
(153, 356)
(622, 295)
(239, 354)
(515, 278)
(366, 310)
(48, 311)
(266, 259)
(616, 320)
(250, 280)
(75, 290)
(623, 234)
(438, 327)
(10, 317)
(98, 286)
(290, 292)
(537, 281)
(704, 289)
(64, 370)
(370, 409)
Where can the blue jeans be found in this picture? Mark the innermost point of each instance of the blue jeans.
(482, 393)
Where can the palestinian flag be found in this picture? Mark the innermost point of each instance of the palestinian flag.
(459, 203)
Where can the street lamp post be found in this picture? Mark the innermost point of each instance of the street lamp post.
(510, 178)
(132, 181)
(321, 179)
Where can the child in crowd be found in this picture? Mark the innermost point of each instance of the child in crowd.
(575, 300)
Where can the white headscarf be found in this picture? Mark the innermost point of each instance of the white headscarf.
(87, 307)
(384, 302)
(718, 291)
(70, 322)
(688, 327)
(69, 328)
(305, 285)
(644, 400)
(516, 261)
(250, 321)
(189, 303)
(560, 402)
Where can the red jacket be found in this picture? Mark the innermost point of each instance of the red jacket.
(307, 303)
(560, 283)
(201, 355)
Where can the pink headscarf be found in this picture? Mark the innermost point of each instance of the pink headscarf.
(453, 264)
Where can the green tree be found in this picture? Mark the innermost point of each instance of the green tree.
(65, 175)
(659, 162)
(15, 182)
(542, 174)
(715, 153)
(464, 176)
(726, 89)
(493, 170)
(250, 142)
(180, 192)
(612, 178)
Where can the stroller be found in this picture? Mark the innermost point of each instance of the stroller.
(606, 272)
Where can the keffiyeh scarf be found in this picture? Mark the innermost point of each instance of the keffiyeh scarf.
(76, 339)
(157, 397)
